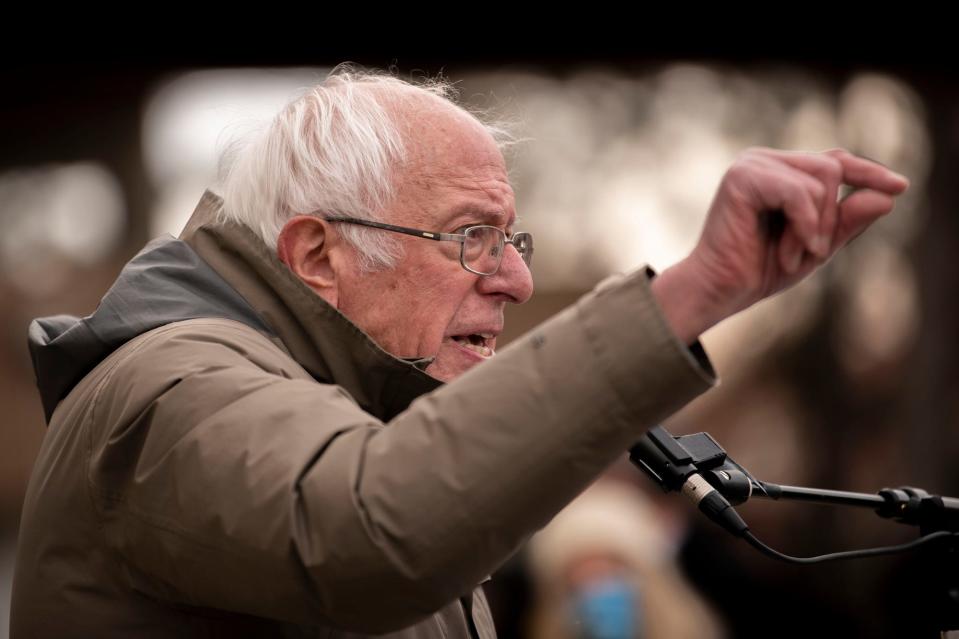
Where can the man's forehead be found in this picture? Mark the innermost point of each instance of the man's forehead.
(453, 169)
(440, 201)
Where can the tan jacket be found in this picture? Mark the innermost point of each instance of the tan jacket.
(243, 461)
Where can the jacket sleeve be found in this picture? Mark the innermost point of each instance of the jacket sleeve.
(240, 485)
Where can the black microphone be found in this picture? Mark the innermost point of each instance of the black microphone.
(676, 465)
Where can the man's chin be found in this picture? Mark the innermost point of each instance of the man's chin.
(446, 371)
(452, 361)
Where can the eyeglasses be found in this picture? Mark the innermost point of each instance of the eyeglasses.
(481, 247)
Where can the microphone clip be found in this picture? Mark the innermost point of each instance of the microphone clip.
(669, 461)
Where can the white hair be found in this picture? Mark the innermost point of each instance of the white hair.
(331, 152)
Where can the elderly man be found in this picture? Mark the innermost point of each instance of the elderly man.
(250, 436)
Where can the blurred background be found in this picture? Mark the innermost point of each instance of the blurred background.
(849, 381)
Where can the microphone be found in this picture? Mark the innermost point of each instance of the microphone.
(680, 464)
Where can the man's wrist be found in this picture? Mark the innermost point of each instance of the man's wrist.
(687, 308)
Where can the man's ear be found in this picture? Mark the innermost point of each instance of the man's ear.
(306, 246)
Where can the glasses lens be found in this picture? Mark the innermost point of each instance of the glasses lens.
(483, 249)
(524, 244)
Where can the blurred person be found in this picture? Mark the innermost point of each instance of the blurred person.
(605, 568)
(290, 420)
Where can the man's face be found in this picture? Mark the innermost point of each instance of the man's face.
(429, 305)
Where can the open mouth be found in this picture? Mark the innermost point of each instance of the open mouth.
(480, 343)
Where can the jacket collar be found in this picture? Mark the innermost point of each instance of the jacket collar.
(320, 338)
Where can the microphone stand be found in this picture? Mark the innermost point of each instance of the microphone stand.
(674, 462)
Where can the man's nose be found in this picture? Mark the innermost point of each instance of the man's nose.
(513, 278)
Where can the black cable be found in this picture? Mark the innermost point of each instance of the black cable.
(851, 554)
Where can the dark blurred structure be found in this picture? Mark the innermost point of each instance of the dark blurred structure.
(850, 383)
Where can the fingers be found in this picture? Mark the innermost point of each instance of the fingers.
(807, 184)
(867, 174)
(791, 251)
(828, 170)
(778, 186)
(858, 211)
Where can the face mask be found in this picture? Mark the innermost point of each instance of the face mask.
(606, 609)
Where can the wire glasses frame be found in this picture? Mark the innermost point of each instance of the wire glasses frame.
(481, 246)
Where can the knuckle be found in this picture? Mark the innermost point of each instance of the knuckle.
(741, 169)
(831, 167)
(753, 151)
(836, 153)
(818, 192)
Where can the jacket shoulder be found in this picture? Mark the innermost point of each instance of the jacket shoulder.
(190, 369)
(212, 340)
